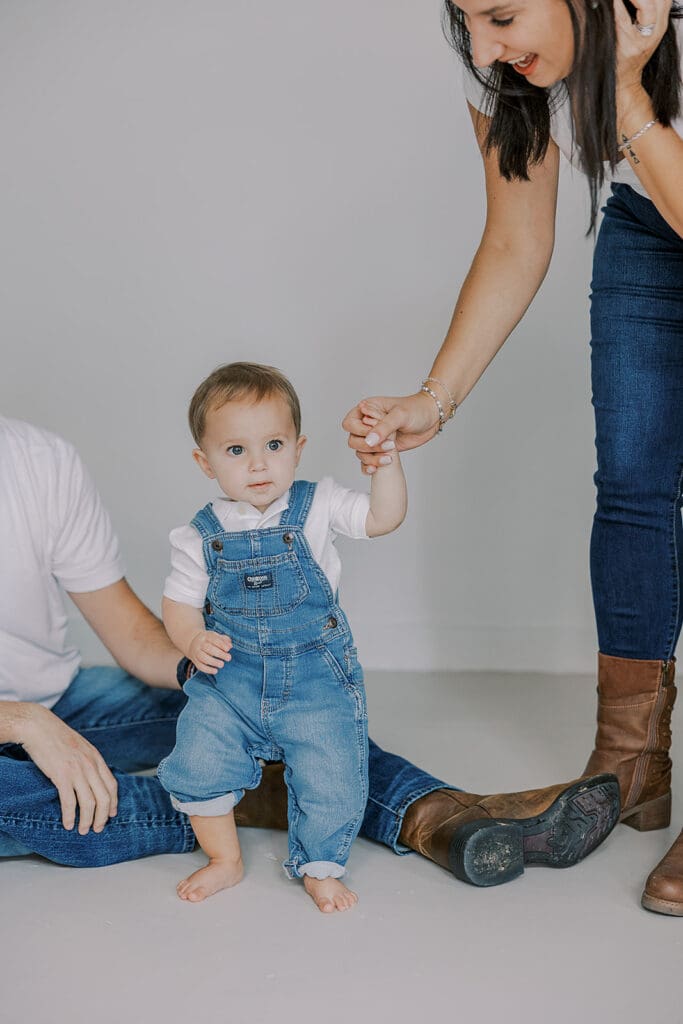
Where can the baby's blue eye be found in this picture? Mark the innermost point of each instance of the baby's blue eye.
(501, 22)
(274, 446)
(235, 449)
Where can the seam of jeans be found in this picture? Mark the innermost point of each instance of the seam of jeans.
(21, 819)
(190, 838)
(392, 810)
(399, 814)
(117, 725)
(424, 790)
(671, 646)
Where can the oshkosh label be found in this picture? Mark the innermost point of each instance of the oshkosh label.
(258, 581)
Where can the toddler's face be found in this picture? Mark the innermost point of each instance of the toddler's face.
(251, 448)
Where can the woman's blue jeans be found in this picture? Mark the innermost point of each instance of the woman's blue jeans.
(133, 726)
(637, 371)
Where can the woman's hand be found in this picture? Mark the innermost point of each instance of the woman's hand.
(635, 49)
(378, 425)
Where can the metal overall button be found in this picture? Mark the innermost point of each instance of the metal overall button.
(207, 607)
(331, 623)
(217, 545)
(288, 538)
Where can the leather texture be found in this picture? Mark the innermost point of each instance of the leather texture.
(430, 823)
(664, 887)
(266, 806)
(635, 701)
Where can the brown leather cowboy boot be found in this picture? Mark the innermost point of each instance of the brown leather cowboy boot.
(486, 840)
(635, 700)
(266, 806)
(664, 888)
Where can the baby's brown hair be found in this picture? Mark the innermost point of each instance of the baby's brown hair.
(240, 380)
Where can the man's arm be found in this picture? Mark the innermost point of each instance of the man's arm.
(134, 636)
(139, 643)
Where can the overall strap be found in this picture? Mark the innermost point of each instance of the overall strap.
(300, 499)
(206, 523)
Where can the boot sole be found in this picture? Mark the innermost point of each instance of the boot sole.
(662, 906)
(494, 851)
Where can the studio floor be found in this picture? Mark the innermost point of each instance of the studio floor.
(116, 945)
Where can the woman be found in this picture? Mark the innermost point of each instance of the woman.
(600, 81)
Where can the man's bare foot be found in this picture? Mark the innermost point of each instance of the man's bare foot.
(217, 875)
(329, 894)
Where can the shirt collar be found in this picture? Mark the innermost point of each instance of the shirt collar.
(243, 511)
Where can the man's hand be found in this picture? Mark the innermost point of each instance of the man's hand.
(209, 651)
(75, 767)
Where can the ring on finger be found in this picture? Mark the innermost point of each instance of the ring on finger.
(645, 30)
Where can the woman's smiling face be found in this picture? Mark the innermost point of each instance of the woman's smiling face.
(535, 37)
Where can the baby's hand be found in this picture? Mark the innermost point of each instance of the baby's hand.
(209, 651)
(389, 444)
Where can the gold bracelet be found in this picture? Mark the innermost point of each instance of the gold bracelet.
(442, 415)
(452, 401)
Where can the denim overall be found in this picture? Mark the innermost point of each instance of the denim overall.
(292, 691)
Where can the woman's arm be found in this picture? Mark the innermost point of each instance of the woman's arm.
(657, 156)
(507, 271)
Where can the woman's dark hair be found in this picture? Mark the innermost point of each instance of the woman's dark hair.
(520, 112)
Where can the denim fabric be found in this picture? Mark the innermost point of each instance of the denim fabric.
(292, 691)
(133, 726)
(394, 785)
(637, 371)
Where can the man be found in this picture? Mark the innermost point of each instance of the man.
(70, 736)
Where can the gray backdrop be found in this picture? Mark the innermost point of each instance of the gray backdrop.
(186, 183)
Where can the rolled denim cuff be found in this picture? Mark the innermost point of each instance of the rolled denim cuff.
(214, 808)
(315, 869)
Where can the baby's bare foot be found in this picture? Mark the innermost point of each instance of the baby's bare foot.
(329, 894)
(217, 875)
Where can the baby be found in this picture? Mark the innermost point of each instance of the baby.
(252, 602)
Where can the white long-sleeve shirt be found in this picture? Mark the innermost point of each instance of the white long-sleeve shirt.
(334, 511)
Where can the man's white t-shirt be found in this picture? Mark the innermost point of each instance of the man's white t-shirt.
(334, 511)
(56, 536)
(561, 123)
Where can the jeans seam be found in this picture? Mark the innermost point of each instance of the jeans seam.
(117, 725)
(399, 813)
(190, 838)
(676, 567)
(21, 819)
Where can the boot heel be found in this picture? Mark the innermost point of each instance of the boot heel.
(487, 852)
(650, 816)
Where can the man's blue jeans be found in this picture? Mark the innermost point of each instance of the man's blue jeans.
(637, 365)
(133, 726)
